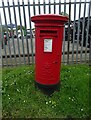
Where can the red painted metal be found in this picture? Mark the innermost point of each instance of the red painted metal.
(48, 35)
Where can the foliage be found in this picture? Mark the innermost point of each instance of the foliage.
(19, 27)
(33, 28)
(62, 13)
(4, 29)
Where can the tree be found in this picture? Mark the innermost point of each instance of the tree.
(4, 29)
(62, 13)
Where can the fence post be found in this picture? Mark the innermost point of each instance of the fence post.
(68, 46)
(78, 32)
(49, 7)
(12, 32)
(21, 32)
(26, 32)
(83, 28)
(64, 34)
(30, 32)
(2, 44)
(44, 7)
(34, 11)
(73, 32)
(54, 7)
(39, 6)
(59, 6)
(0, 67)
(90, 53)
(17, 33)
(7, 33)
(88, 30)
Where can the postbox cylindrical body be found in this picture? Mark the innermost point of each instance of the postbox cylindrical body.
(48, 48)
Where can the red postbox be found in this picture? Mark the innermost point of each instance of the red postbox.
(48, 42)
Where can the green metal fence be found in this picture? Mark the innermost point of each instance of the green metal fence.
(19, 48)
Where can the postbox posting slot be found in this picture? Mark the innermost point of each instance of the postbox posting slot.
(48, 32)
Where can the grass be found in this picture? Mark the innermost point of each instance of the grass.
(20, 99)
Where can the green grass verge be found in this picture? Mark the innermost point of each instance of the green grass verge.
(20, 99)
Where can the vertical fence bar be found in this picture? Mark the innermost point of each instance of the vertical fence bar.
(65, 7)
(5, 51)
(54, 7)
(30, 32)
(83, 28)
(0, 51)
(3, 44)
(90, 52)
(34, 11)
(39, 6)
(26, 32)
(12, 32)
(44, 7)
(1, 41)
(68, 45)
(17, 33)
(49, 7)
(74, 28)
(7, 33)
(78, 32)
(0, 68)
(21, 32)
(59, 6)
(88, 30)
(64, 34)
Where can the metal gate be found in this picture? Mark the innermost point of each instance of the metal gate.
(17, 38)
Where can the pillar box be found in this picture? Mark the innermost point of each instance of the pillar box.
(48, 44)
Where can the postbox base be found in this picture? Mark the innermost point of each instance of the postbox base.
(48, 89)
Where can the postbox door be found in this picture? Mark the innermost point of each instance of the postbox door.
(48, 64)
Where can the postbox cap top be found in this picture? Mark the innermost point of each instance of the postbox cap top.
(49, 17)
